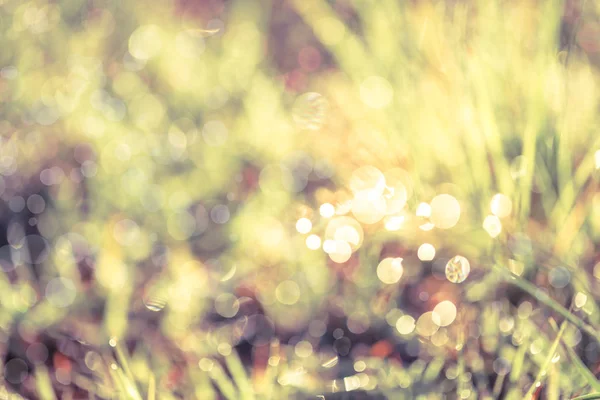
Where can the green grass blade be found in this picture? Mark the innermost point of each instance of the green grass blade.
(544, 369)
(239, 376)
(44, 383)
(223, 383)
(548, 301)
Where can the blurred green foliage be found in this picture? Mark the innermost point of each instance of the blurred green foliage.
(174, 146)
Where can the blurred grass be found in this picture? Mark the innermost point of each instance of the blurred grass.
(156, 117)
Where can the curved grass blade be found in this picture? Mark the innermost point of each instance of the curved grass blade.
(544, 369)
(547, 300)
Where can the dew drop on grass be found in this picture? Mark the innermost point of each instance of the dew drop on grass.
(155, 297)
(457, 269)
(309, 111)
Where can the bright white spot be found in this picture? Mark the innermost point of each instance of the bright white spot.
(303, 225)
(327, 210)
(313, 242)
(426, 252)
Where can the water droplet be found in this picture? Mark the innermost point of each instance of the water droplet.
(309, 111)
(457, 269)
(155, 297)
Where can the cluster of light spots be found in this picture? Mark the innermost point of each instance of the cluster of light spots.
(445, 211)
(457, 269)
(310, 110)
(327, 210)
(343, 235)
(368, 207)
(313, 242)
(426, 252)
(374, 198)
(446, 312)
(501, 205)
(428, 324)
(287, 292)
(390, 270)
(405, 324)
(492, 225)
(303, 225)
(227, 305)
(376, 92)
(61, 292)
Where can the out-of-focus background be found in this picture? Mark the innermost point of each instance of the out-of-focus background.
(293, 199)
